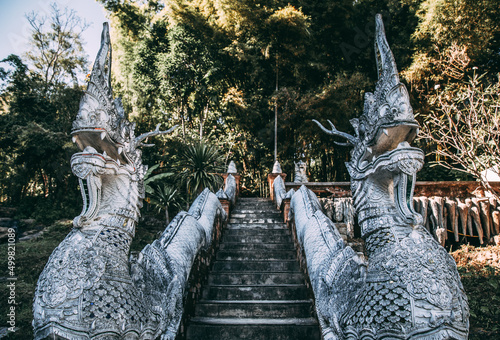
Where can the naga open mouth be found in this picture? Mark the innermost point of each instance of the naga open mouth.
(392, 158)
(392, 147)
(387, 139)
(99, 140)
(87, 165)
(404, 186)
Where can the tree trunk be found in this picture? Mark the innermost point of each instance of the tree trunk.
(203, 115)
(183, 123)
(45, 183)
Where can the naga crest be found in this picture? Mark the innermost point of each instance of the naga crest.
(100, 115)
(388, 122)
(384, 131)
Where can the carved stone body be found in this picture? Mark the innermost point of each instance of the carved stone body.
(86, 288)
(412, 288)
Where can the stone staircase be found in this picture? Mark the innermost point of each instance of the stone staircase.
(255, 289)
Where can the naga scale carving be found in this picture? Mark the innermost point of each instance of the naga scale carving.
(409, 287)
(90, 289)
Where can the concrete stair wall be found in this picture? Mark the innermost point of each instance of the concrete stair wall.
(255, 289)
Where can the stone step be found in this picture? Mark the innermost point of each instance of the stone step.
(254, 309)
(255, 278)
(257, 238)
(257, 232)
(254, 207)
(240, 210)
(257, 226)
(255, 220)
(258, 199)
(254, 216)
(256, 246)
(255, 255)
(243, 200)
(248, 255)
(253, 328)
(256, 292)
(255, 289)
(241, 266)
(255, 202)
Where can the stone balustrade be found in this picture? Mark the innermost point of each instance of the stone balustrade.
(203, 261)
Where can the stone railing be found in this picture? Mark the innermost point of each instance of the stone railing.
(320, 247)
(185, 253)
(201, 265)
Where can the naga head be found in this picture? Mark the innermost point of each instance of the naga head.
(383, 133)
(101, 124)
(107, 140)
(300, 172)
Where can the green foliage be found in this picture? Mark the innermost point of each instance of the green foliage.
(213, 66)
(36, 115)
(199, 167)
(188, 78)
(57, 54)
(166, 197)
(34, 144)
(474, 24)
(451, 36)
(150, 177)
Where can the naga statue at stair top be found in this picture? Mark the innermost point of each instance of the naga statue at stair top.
(411, 287)
(89, 288)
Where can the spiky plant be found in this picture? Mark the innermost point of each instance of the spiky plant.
(165, 197)
(199, 167)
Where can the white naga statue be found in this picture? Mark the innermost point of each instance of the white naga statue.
(90, 289)
(300, 175)
(409, 287)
